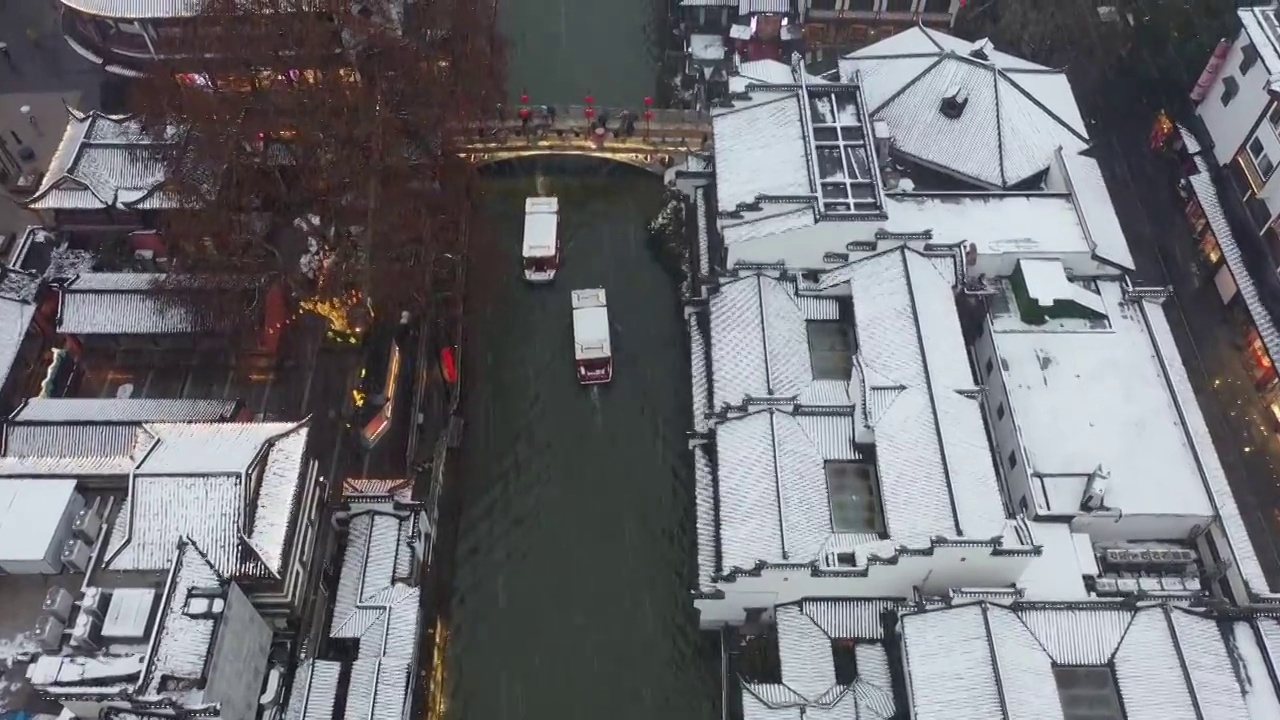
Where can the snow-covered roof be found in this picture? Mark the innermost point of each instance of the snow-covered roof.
(759, 347)
(15, 320)
(72, 449)
(1083, 398)
(196, 654)
(32, 514)
(808, 631)
(793, 143)
(1118, 398)
(182, 642)
(1017, 114)
(541, 217)
(314, 691)
(132, 304)
(137, 9)
(199, 480)
(1082, 177)
(911, 387)
(104, 161)
(985, 660)
(379, 555)
(376, 604)
(1263, 29)
(123, 410)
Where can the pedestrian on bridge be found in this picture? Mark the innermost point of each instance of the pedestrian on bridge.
(8, 58)
(550, 111)
(627, 123)
(524, 121)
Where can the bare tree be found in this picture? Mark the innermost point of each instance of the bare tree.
(1154, 48)
(319, 141)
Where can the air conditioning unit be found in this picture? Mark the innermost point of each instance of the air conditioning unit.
(1183, 555)
(86, 633)
(48, 633)
(87, 525)
(1127, 585)
(1117, 556)
(93, 601)
(1173, 584)
(204, 606)
(75, 555)
(58, 603)
(1105, 586)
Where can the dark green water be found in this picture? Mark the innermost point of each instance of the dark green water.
(559, 50)
(570, 596)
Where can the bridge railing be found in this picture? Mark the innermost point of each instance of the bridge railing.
(576, 115)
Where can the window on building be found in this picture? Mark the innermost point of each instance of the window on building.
(830, 350)
(1000, 411)
(1087, 692)
(1273, 117)
(1230, 88)
(936, 6)
(1013, 459)
(991, 365)
(1249, 58)
(898, 5)
(1261, 160)
(854, 494)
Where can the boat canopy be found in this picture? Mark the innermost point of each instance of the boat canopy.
(591, 325)
(540, 217)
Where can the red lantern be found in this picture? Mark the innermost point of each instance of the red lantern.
(448, 365)
(589, 112)
(648, 115)
(591, 99)
(648, 101)
(524, 97)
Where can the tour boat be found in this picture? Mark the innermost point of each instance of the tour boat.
(541, 251)
(592, 349)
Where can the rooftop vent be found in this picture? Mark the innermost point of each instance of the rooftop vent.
(981, 49)
(953, 101)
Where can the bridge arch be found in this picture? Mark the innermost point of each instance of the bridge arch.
(655, 161)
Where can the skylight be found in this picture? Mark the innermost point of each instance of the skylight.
(843, 159)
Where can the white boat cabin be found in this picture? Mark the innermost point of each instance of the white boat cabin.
(541, 250)
(592, 349)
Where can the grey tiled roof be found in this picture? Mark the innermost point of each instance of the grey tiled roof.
(103, 161)
(1018, 113)
(137, 9)
(105, 410)
(809, 686)
(984, 660)
(912, 390)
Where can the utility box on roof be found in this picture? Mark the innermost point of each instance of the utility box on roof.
(35, 520)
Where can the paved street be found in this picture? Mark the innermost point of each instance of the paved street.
(47, 75)
(1142, 187)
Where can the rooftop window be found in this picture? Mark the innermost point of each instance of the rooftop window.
(854, 493)
(830, 350)
(840, 133)
(1088, 692)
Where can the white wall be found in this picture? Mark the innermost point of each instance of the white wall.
(948, 567)
(804, 248)
(1229, 126)
(1017, 484)
(1103, 526)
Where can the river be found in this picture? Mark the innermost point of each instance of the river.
(570, 595)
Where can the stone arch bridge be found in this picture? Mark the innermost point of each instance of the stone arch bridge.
(654, 145)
